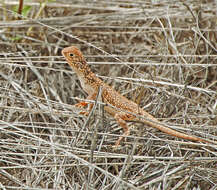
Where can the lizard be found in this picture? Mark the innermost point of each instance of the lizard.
(121, 106)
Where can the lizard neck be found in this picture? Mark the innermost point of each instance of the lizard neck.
(89, 81)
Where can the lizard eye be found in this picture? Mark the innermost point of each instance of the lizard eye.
(71, 54)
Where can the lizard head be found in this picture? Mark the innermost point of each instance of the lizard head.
(74, 58)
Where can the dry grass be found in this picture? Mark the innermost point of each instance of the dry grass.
(161, 55)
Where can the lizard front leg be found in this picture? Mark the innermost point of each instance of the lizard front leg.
(121, 118)
(82, 104)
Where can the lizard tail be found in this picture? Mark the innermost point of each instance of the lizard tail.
(155, 124)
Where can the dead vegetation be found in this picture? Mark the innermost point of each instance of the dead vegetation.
(161, 54)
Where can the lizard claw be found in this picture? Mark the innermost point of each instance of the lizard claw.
(80, 104)
(84, 113)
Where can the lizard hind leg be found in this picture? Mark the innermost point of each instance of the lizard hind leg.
(121, 119)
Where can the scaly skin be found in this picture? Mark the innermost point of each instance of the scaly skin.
(91, 83)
